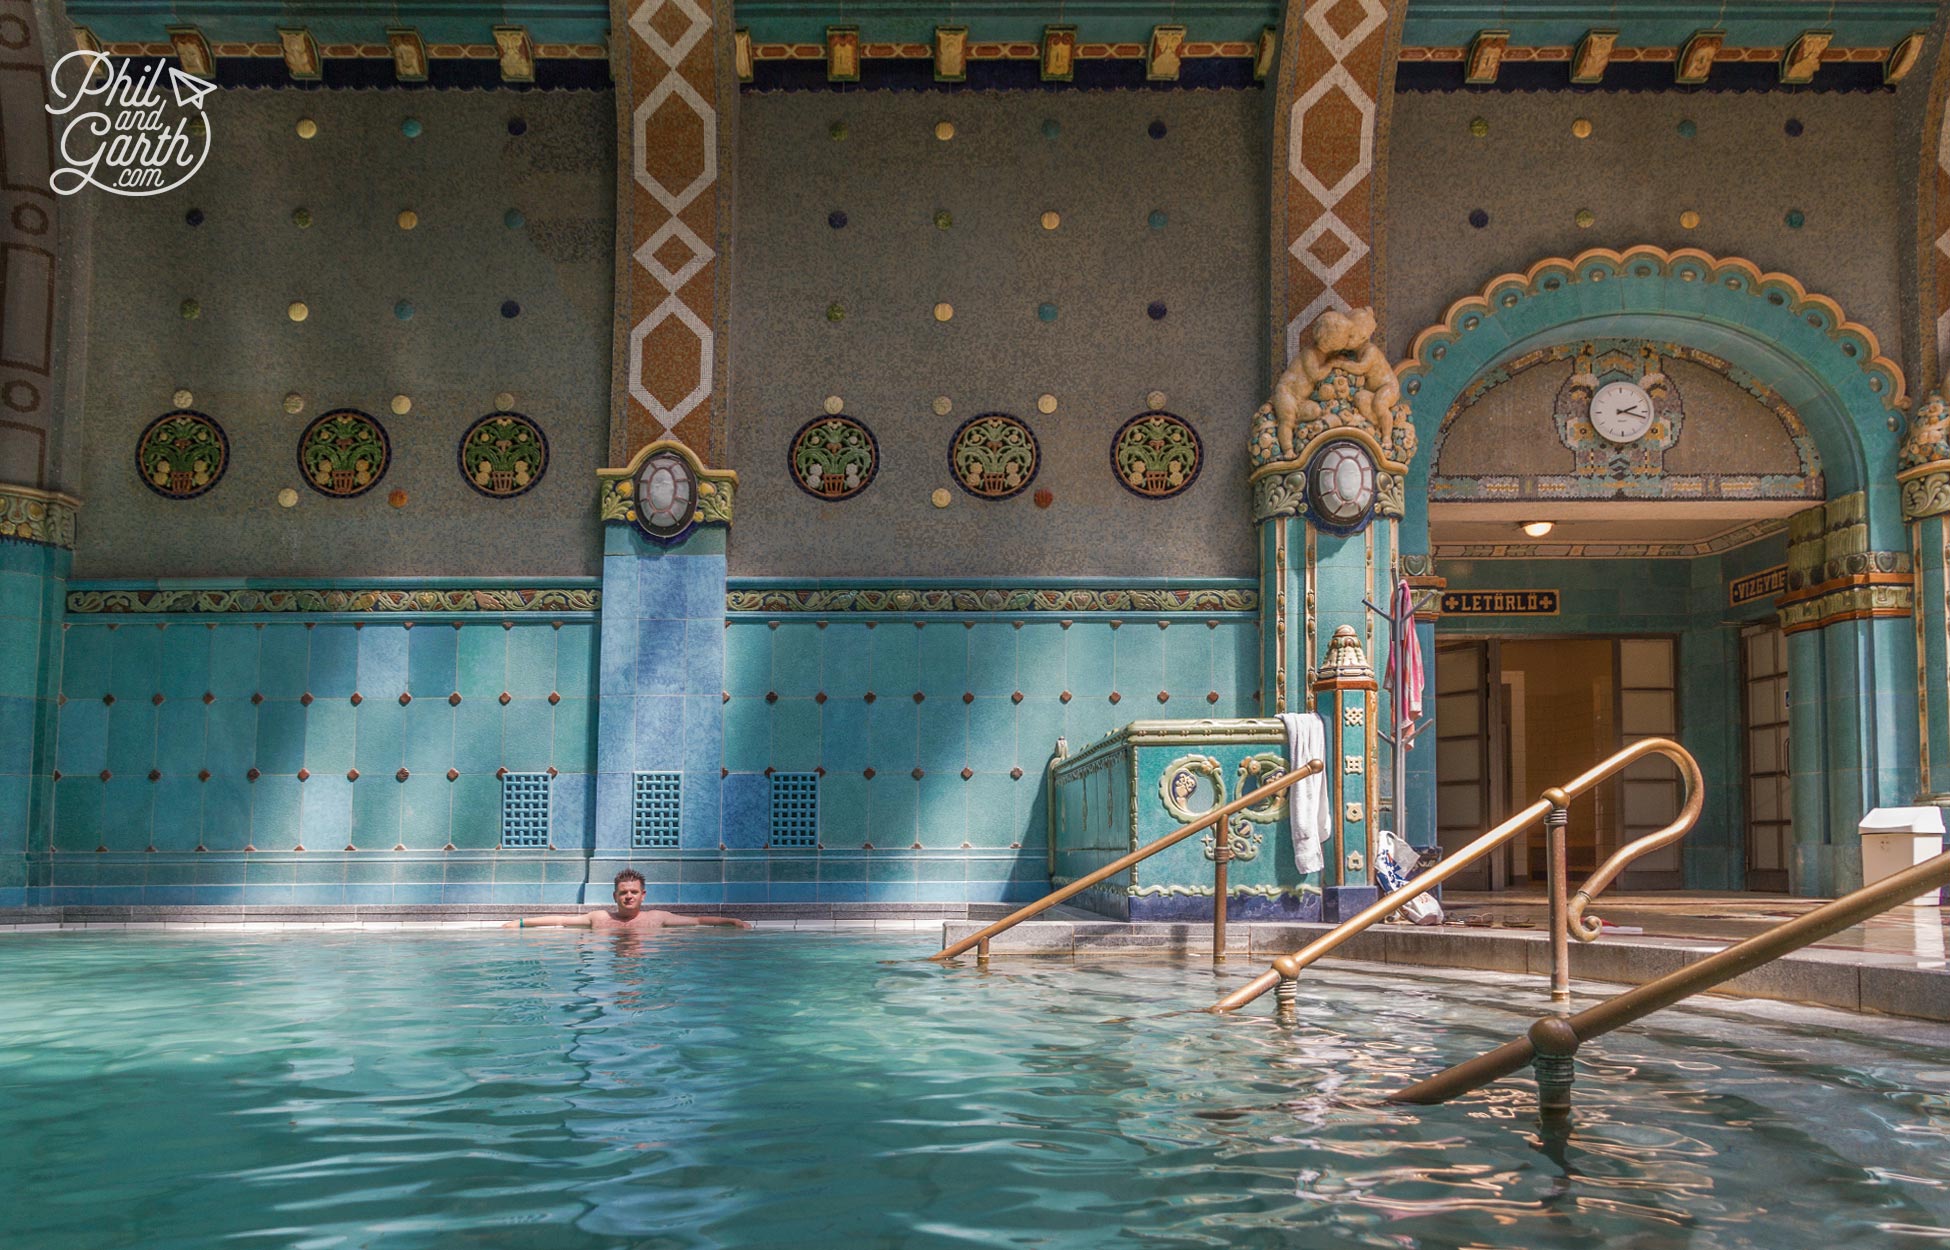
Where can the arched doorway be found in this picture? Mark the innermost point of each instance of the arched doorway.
(1714, 448)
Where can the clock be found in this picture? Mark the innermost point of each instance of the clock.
(1621, 411)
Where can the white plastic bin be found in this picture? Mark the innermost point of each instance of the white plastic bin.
(1895, 838)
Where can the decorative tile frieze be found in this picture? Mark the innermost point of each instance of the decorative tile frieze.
(905, 600)
(384, 602)
(37, 516)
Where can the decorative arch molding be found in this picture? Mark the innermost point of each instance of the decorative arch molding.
(1828, 369)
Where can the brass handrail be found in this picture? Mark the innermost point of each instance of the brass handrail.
(1558, 1037)
(1217, 814)
(1556, 799)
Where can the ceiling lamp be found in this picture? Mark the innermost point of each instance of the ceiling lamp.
(1537, 529)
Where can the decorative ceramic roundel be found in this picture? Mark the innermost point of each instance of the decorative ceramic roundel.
(666, 497)
(343, 453)
(1156, 455)
(503, 455)
(1341, 486)
(182, 454)
(833, 458)
(993, 456)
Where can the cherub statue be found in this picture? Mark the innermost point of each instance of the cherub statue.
(1929, 434)
(1343, 343)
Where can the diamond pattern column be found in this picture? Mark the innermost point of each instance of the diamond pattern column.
(675, 96)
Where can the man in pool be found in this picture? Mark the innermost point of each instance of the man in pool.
(627, 914)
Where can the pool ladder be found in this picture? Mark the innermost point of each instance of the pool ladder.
(1222, 852)
(1567, 918)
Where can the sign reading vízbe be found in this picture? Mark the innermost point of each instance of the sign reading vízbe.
(1762, 585)
(134, 138)
(1499, 603)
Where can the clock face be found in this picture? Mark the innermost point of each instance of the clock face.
(1621, 411)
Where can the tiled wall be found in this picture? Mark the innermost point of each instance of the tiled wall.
(218, 734)
(32, 586)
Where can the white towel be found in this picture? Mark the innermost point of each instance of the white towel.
(1308, 815)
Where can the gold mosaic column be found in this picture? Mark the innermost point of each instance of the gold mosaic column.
(676, 97)
(1330, 133)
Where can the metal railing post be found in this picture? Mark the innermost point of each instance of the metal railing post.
(1221, 854)
(1556, 833)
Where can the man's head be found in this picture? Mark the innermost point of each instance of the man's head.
(629, 892)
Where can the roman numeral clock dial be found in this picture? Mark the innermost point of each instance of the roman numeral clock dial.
(1621, 412)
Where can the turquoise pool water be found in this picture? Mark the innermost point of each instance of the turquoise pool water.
(771, 1089)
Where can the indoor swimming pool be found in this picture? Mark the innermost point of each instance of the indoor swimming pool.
(310, 1089)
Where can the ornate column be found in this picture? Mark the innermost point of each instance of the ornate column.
(1344, 695)
(1329, 455)
(661, 681)
(1924, 475)
(666, 509)
(1852, 663)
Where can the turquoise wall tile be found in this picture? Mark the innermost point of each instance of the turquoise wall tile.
(747, 808)
(477, 735)
(575, 660)
(275, 805)
(843, 734)
(704, 643)
(894, 657)
(571, 810)
(747, 735)
(527, 736)
(616, 657)
(382, 660)
(943, 810)
(18, 717)
(376, 804)
(795, 735)
(703, 734)
(659, 732)
(83, 743)
(1138, 661)
(476, 823)
(944, 660)
(575, 735)
(1188, 659)
(845, 660)
(1040, 664)
(992, 734)
(845, 819)
(77, 813)
(379, 735)
(137, 657)
(426, 735)
(1090, 718)
(226, 813)
(233, 661)
(941, 726)
(20, 596)
(85, 668)
(426, 810)
(131, 736)
(531, 661)
(230, 737)
(330, 728)
(660, 657)
(325, 815)
(432, 663)
(992, 658)
(991, 810)
(1031, 799)
(1040, 721)
(1089, 666)
(185, 662)
(176, 820)
(283, 661)
(333, 663)
(893, 811)
(892, 746)
(482, 655)
(20, 657)
(748, 658)
(795, 659)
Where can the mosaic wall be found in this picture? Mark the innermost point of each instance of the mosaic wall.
(1782, 179)
(465, 273)
(909, 288)
(1523, 431)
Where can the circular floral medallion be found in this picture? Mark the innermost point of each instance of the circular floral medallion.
(666, 497)
(993, 456)
(1341, 486)
(182, 454)
(1156, 455)
(343, 453)
(503, 455)
(833, 458)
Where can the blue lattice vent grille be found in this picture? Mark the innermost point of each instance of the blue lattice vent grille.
(795, 809)
(656, 800)
(524, 809)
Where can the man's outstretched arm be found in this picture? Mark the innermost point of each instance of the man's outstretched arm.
(582, 921)
(672, 919)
